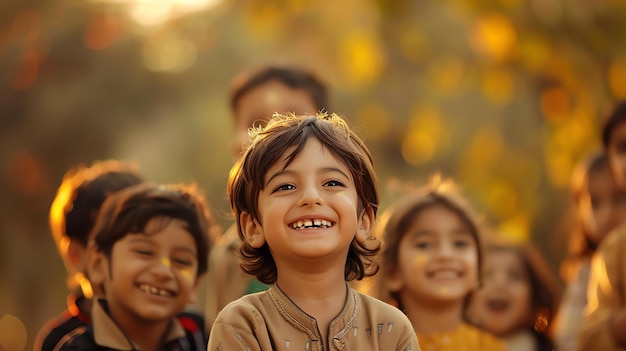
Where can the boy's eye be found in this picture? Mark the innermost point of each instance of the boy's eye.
(182, 262)
(284, 187)
(143, 252)
(334, 183)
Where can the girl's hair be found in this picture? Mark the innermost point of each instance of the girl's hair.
(580, 246)
(402, 214)
(130, 210)
(545, 291)
(284, 138)
(617, 117)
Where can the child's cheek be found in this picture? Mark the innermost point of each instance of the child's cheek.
(419, 261)
(187, 273)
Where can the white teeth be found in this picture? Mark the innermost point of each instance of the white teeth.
(154, 290)
(307, 223)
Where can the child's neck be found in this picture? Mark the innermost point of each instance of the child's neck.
(434, 318)
(320, 295)
(144, 335)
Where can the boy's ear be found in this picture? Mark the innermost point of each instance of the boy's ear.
(76, 254)
(365, 225)
(252, 230)
(97, 266)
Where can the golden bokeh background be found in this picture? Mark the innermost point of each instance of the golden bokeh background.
(504, 96)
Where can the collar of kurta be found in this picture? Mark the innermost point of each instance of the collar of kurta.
(108, 334)
(343, 323)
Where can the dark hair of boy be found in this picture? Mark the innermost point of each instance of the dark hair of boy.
(131, 210)
(292, 77)
(247, 179)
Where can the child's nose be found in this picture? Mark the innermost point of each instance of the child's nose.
(446, 251)
(163, 268)
(310, 196)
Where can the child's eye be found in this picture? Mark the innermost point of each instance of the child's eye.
(143, 252)
(284, 187)
(423, 245)
(182, 262)
(334, 183)
(461, 243)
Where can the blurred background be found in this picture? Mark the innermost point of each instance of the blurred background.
(504, 96)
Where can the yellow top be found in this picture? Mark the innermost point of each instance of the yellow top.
(465, 338)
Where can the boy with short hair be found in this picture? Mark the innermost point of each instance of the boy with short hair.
(255, 96)
(149, 252)
(72, 216)
(305, 198)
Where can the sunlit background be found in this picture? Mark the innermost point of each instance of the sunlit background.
(505, 96)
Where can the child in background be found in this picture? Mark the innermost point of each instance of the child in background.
(600, 206)
(305, 197)
(255, 97)
(72, 216)
(603, 329)
(149, 252)
(431, 265)
(518, 297)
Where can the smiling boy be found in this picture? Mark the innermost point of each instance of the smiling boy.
(305, 197)
(149, 252)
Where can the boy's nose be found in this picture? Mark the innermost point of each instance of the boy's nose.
(163, 268)
(310, 196)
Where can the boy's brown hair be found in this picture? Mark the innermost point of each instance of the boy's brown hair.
(130, 210)
(403, 213)
(284, 137)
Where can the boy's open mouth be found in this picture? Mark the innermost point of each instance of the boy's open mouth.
(311, 223)
(153, 290)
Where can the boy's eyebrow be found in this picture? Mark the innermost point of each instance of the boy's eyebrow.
(147, 240)
(323, 170)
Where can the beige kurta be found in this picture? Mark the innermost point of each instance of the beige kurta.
(606, 293)
(269, 320)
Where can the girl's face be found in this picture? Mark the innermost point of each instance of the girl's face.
(437, 259)
(603, 206)
(503, 304)
(616, 151)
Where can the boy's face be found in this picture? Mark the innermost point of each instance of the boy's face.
(150, 276)
(616, 151)
(259, 104)
(308, 212)
(437, 259)
(503, 305)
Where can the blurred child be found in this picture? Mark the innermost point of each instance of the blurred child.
(431, 265)
(305, 197)
(604, 327)
(600, 207)
(72, 216)
(518, 297)
(255, 97)
(149, 252)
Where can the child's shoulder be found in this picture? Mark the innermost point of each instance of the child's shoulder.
(373, 304)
